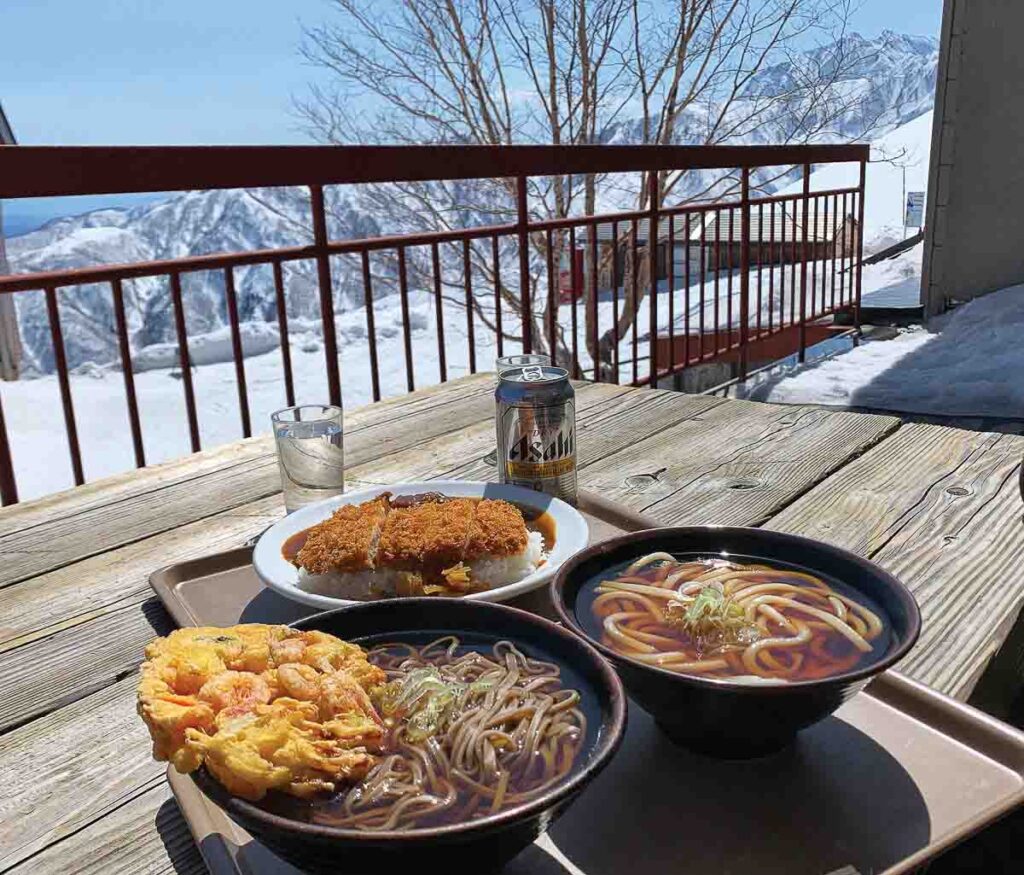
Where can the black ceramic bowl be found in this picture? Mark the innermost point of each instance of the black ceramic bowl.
(720, 717)
(482, 845)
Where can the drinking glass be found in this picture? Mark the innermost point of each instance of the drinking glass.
(310, 453)
(508, 362)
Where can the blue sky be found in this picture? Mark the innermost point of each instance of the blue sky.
(193, 71)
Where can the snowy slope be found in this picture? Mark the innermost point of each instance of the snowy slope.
(907, 148)
(966, 364)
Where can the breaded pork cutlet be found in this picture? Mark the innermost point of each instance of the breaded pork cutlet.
(429, 536)
(498, 529)
(347, 541)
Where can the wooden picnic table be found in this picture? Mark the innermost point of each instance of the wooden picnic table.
(937, 506)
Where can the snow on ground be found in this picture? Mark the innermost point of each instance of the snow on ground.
(906, 149)
(965, 364)
(34, 416)
(35, 424)
(908, 373)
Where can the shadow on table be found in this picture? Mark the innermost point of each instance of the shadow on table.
(225, 858)
(835, 798)
(176, 838)
(269, 607)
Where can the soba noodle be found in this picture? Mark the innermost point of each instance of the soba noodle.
(742, 621)
(488, 731)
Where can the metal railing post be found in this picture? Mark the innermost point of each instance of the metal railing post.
(126, 371)
(744, 270)
(859, 231)
(184, 361)
(231, 299)
(323, 272)
(806, 202)
(522, 231)
(653, 194)
(64, 381)
(282, 329)
(8, 486)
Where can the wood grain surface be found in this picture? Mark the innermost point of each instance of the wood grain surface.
(937, 506)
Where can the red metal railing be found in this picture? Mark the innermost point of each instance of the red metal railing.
(612, 262)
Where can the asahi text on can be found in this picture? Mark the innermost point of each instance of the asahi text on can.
(536, 425)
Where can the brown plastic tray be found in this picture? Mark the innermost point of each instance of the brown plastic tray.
(899, 774)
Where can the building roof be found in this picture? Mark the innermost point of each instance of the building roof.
(762, 228)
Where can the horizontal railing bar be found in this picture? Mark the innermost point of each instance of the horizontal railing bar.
(108, 273)
(46, 171)
(220, 261)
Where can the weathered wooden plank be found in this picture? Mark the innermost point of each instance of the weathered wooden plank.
(604, 415)
(77, 661)
(940, 509)
(67, 527)
(87, 589)
(736, 464)
(92, 587)
(617, 424)
(145, 834)
(70, 768)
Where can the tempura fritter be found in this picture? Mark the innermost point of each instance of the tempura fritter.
(265, 707)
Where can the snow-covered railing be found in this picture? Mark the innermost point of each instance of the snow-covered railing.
(710, 282)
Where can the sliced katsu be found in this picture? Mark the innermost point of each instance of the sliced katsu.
(418, 545)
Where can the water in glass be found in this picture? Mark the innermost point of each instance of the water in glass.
(310, 455)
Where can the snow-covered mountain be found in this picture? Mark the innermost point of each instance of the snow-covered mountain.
(193, 223)
(875, 86)
(892, 82)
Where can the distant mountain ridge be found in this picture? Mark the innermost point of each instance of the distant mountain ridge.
(896, 79)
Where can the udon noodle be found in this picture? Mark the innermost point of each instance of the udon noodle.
(723, 619)
(470, 734)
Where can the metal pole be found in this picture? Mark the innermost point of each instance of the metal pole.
(323, 272)
(802, 355)
(522, 231)
(859, 231)
(8, 487)
(653, 193)
(61, 364)
(744, 270)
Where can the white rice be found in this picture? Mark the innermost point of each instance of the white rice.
(380, 582)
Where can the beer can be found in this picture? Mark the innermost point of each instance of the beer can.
(536, 426)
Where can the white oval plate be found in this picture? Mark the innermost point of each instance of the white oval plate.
(571, 536)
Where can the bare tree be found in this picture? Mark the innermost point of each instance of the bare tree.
(572, 72)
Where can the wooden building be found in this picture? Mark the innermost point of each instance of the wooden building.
(776, 236)
(714, 242)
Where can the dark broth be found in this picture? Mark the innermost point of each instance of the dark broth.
(329, 810)
(813, 666)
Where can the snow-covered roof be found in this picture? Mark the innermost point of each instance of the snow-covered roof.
(779, 223)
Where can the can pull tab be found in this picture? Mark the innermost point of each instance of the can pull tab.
(532, 373)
